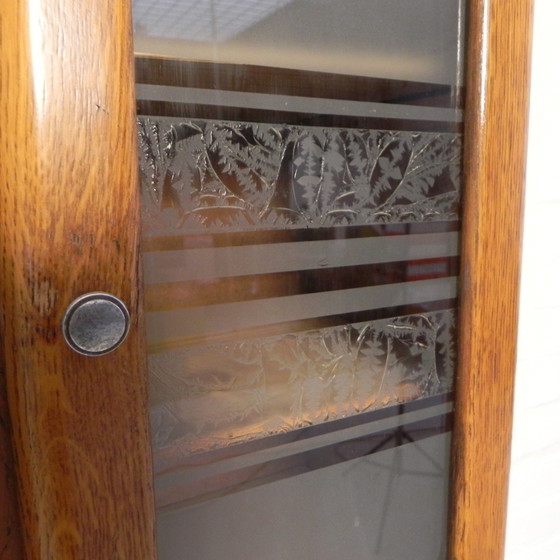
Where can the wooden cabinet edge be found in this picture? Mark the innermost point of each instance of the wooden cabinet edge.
(495, 152)
(69, 209)
(11, 545)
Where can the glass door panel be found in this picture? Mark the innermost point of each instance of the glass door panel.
(301, 184)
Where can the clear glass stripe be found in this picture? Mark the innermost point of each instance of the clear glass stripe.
(200, 264)
(165, 326)
(264, 472)
(295, 103)
(195, 468)
(153, 242)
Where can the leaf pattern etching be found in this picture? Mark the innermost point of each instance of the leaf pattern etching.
(234, 176)
(212, 396)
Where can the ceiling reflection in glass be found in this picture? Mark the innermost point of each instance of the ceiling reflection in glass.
(396, 39)
(200, 20)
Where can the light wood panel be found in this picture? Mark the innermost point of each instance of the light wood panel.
(69, 218)
(495, 145)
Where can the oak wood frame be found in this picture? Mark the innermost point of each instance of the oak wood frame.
(69, 214)
(73, 83)
(496, 118)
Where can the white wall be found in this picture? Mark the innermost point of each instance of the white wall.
(534, 500)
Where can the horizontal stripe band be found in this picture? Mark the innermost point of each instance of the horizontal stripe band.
(325, 322)
(168, 463)
(262, 237)
(215, 291)
(251, 476)
(297, 104)
(195, 264)
(287, 81)
(202, 465)
(155, 108)
(208, 321)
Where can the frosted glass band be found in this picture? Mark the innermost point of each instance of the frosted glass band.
(295, 103)
(196, 321)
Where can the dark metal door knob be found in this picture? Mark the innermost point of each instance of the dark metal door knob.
(95, 324)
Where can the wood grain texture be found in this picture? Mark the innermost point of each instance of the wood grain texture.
(495, 145)
(69, 215)
(11, 545)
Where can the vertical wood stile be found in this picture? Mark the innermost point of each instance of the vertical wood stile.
(494, 167)
(11, 545)
(69, 215)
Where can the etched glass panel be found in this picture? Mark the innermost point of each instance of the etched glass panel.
(300, 167)
(238, 391)
(220, 176)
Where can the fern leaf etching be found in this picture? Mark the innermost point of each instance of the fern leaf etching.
(238, 176)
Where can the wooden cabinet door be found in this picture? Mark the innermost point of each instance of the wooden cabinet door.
(69, 215)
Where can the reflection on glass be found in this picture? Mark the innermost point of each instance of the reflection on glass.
(301, 182)
(201, 20)
(363, 37)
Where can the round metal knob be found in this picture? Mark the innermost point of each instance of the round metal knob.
(95, 324)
